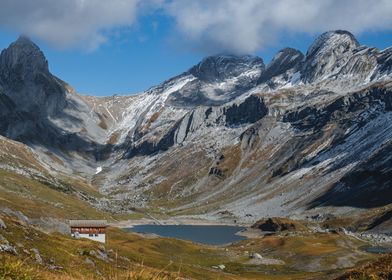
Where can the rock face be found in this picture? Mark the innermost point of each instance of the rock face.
(285, 61)
(300, 134)
(39, 109)
(217, 80)
(221, 68)
(25, 79)
(28, 92)
(250, 111)
(328, 54)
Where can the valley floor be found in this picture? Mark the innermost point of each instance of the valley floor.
(26, 252)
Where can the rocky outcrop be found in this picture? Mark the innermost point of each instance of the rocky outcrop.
(148, 147)
(279, 225)
(283, 62)
(250, 111)
(327, 55)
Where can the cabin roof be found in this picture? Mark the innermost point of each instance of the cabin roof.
(87, 223)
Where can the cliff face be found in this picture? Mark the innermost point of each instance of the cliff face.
(26, 80)
(42, 111)
(300, 134)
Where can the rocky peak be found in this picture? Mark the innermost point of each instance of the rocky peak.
(23, 57)
(26, 80)
(329, 52)
(332, 40)
(221, 67)
(283, 61)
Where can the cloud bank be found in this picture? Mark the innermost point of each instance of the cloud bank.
(68, 23)
(209, 26)
(246, 26)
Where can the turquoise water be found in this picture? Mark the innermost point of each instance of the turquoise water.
(212, 235)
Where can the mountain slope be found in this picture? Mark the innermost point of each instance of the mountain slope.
(303, 135)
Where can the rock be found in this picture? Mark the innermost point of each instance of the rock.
(284, 61)
(256, 256)
(249, 111)
(205, 81)
(17, 214)
(89, 261)
(217, 172)
(2, 224)
(224, 212)
(328, 54)
(279, 225)
(8, 248)
(37, 256)
(221, 67)
(220, 266)
(102, 255)
(54, 267)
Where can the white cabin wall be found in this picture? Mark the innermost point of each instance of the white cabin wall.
(100, 238)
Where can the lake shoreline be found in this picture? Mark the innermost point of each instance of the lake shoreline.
(175, 221)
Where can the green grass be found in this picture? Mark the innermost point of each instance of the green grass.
(15, 269)
(37, 200)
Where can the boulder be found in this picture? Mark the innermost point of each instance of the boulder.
(256, 256)
(2, 224)
(37, 256)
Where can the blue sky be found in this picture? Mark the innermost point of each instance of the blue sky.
(159, 44)
(141, 58)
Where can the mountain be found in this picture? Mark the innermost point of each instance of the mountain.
(41, 110)
(304, 136)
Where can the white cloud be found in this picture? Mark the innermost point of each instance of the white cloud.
(246, 26)
(68, 23)
(238, 26)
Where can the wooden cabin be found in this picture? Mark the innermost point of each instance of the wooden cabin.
(91, 229)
